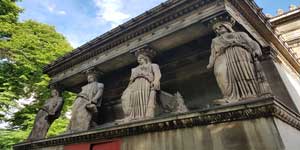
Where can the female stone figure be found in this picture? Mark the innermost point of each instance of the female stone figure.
(86, 104)
(138, 100)
(46, 115)
(236, 68)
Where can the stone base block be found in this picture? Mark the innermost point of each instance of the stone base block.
(261, 124)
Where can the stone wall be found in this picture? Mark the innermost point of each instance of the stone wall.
(260, 124)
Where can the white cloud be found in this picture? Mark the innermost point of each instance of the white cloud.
(75, 40)
(111, 11)
(61, 12)
(52, 8)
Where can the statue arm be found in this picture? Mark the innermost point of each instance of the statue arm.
(46, 105)
(157, 76)
(256, 50)
(212, 57)
(131, 77)
(57, 107)
(98, 94)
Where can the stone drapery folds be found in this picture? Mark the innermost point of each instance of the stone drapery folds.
(138, 99)
(234, 57)
(86, 104)
(46, 116)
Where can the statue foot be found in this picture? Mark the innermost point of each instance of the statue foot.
(124, 120)
(222, 101)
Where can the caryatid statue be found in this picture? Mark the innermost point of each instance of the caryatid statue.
(234, 57)
(139, 98)
(86, 104)
(46, 116)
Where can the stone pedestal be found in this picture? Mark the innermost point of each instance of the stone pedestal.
(259, 124)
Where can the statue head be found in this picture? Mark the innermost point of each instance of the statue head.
(54, 92)
(222, 24)
(143, 59)
(91, 76)
(145, 54)
(222, 27)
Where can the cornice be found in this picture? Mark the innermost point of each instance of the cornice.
(245, 110)
(260, 22)
(146, 22)
(286, 17)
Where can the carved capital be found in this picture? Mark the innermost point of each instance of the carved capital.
(222, 19)
(93, 72)
(146, 50)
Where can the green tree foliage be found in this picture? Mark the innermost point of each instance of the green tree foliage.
(25, 47)
(10, 137)
(9, 11)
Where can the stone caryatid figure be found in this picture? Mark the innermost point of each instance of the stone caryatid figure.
(138, 100)
(46, 115)
(86, 104)
(234, 57)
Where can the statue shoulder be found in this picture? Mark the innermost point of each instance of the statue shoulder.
(60, 99)
(134, 69)
(155, 65)
(215, 39)
(100, 85)
(243, 34)
(85, 86)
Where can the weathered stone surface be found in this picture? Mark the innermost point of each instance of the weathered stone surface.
(174, 33)
(225, 136)
(289, 135)
(262, 124)
(45, 117)
(234, 57)
(86, 104)
(288, 27)
(172, 103)
(139, 98)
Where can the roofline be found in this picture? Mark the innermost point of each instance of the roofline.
(265, 28)
(285, 17)
(105, 38)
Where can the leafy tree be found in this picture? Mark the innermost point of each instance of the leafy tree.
(25, 47)
(10, 137)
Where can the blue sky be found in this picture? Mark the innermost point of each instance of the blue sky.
(82, 20)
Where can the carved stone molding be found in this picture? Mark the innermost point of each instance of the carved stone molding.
(244, 110)
(160, 15)
(260, 22)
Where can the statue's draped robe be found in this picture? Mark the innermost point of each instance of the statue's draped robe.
(234, 65)
(44, 119)
(81, 116)
(139, 95)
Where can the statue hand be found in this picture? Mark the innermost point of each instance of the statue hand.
(94, 100)
(91, 108)
(258, 53)
(209, 66)
(156, 85)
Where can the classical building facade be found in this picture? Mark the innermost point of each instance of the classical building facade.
(287, 26)
(185, 75)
